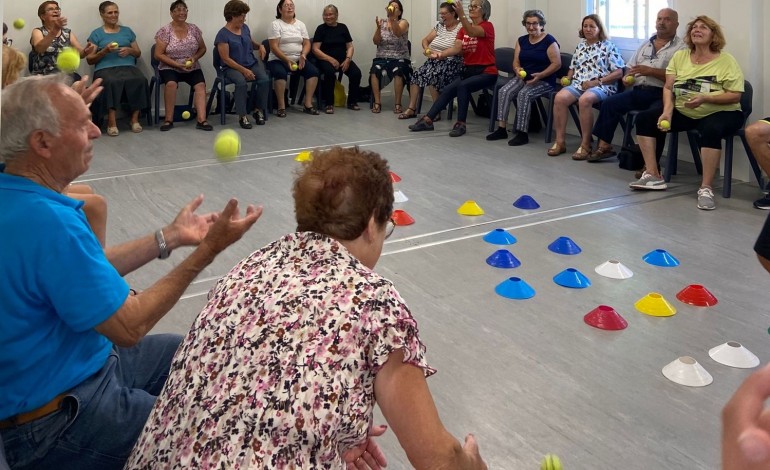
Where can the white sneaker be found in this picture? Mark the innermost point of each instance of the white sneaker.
(648, 181)
(706, 199)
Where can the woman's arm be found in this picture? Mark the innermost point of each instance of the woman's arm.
(201, 50)
(399, 27)
(224, 56)
(554, 55)
(377, 38)
(84, 51)
(276, 50)
(39, 42)
(403, 396)
(472, 30)
(428, 39)
(132, 50)
(98, 54)
(456, 49)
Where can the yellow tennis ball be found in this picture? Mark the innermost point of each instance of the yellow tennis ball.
(551, 462)
(665, 125)
(629, 79)
(185, 114)
(227, 145)
(68, 60)
(391, 9)
(450, 1)
(427, 52)
(565, 81)
(19, 23)
(188, 63)
(114, 44)
(522, 73)
(294, 66)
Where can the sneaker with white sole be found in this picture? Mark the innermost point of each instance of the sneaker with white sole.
(763, 203)
(649, 181)
(706, 199)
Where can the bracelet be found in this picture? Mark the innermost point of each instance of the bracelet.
(162, 247)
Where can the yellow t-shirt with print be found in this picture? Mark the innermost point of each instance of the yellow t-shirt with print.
(714, 78)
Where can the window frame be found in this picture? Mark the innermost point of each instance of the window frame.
(624, 43)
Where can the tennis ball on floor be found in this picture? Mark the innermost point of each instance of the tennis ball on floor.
(185, 115)
(114, 44)
(522, 73)
(294, 66)
(665, 125)
(19, 23)
(227, 145)
(68, 60)
(551, 462)
(188, 63)
(629, 79)
(565, 81)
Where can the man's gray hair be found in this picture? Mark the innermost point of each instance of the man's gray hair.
(486, 9)
(26, 107)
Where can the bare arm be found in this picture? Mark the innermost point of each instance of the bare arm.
(39, 42)
(399, 27)
(456, 49)
(98, 54)
(274, 43)
(428, 39)
(160, 55)
(472, 30)
(648, 71)
(377, 38)
(224, 57)
(405, 400)
(139, 313)
(554, 55)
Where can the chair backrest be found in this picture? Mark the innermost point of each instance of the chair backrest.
(504, 59)
(746, 98)
(29, 60)
(566, 60)
(266, 45)
(153, 61)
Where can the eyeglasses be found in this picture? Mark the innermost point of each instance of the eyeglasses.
(8, 42)
(390, 226)
(473, 7)
(180, 10)
(52, 9)
(532, 25)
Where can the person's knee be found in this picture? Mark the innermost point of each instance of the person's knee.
(758, 133)
(171, 86)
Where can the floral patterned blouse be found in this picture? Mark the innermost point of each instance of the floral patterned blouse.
(592, 61)
(278, 369)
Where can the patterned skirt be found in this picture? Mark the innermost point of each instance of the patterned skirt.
(438, 73)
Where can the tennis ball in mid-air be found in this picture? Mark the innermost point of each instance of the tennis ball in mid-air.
(629, 79)
(19, 23)
(227, 145)
(665, 125)
(185, 115)
(68, 60)
(565, 81)
(522, 73)
(551, 462)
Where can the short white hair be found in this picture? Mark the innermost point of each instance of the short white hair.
(27, 106)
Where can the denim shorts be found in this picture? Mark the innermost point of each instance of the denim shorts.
(601, 93)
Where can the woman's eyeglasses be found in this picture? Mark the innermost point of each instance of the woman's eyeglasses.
(473, 7)
(390, 226)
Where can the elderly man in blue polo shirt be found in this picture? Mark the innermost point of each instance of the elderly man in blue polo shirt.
(78, 376)
(648, 67)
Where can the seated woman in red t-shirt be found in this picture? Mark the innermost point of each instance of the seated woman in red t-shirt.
(476, 42)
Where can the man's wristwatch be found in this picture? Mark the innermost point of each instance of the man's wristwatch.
(163, 250)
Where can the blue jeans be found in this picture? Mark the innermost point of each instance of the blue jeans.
(100, 419)
(244, 103)
(616, 106)
(462, 89)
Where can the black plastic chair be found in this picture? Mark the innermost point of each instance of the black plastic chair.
(693, 136)
(155, 89)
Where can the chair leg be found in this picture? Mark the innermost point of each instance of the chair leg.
(155, 91)
(695, 149)
(493, 109)
(419, 100)
(671, 157)
(753, 162)
(221, 104)
(549, 120)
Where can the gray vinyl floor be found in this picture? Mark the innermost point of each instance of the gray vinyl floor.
(527, 377)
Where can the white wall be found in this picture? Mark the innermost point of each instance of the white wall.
(746, 24)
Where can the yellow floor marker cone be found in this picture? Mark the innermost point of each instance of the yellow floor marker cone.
(304, 156)
(654, 304)
(470, 208)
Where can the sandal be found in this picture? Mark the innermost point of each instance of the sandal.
(166, 126)
(281, 113)
(112, 131)
(397, 109)
(376, 108)
(311, 110)
(354, 107)
(329, 110)
(136, 127)
(408, 114)
(581, 154)
(557, 149)
(601, 153)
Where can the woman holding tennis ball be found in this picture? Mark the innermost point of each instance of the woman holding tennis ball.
(536, 58)
(50, 39)
(702, 91)
(114, 61)
(178, 47)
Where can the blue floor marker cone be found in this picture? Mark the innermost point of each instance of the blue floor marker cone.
(564, 246)
(503, 259)
(526, 202)
(661, 258)
(572, 278)
(515, 288)
(499, 236)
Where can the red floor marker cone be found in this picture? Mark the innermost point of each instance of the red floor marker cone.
(470, 208)
(400, 217)
(394, 177)
(655, 305)
(605, 317)
(696, 294)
